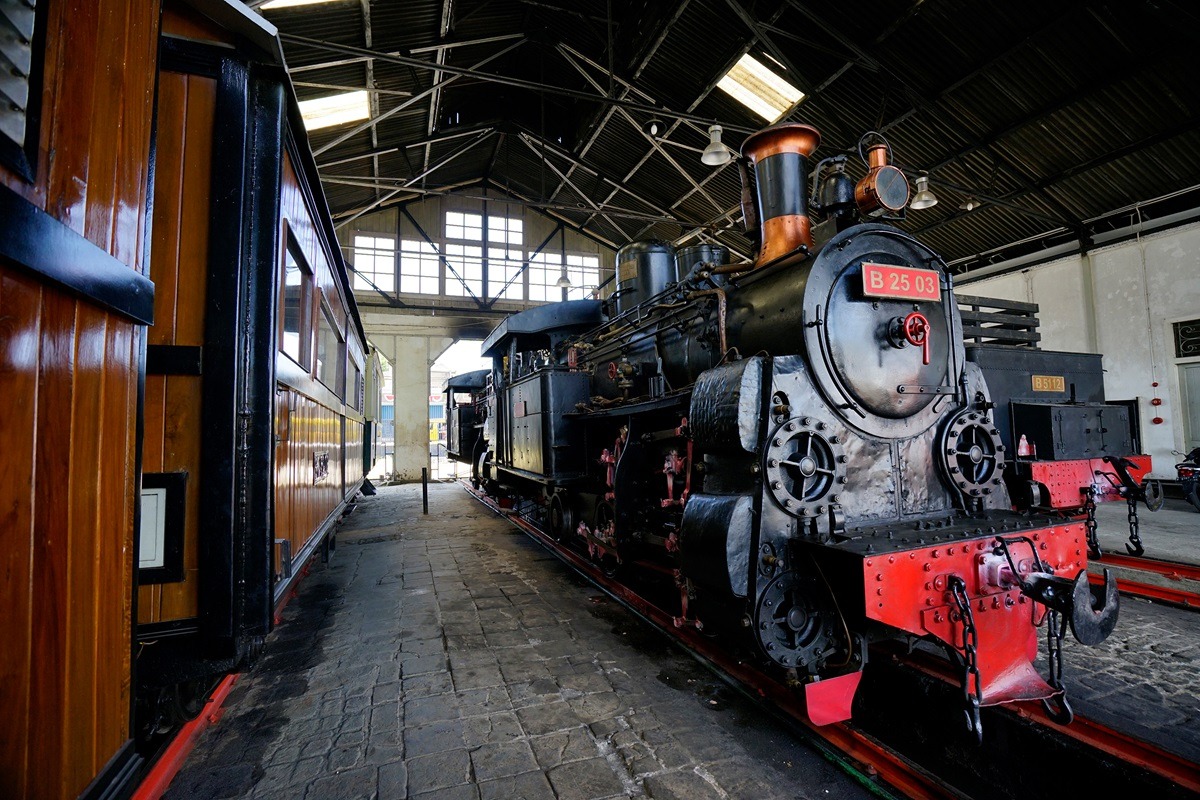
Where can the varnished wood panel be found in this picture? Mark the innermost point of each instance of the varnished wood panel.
(68, 376)
(20, 298)
(51, 620)
(179, 269)
(113, 687)
(65, 538)
(304, 425)
(179, 20)
(303, 504)
(83, 539)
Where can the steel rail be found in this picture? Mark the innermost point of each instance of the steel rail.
(1093, 734)
(865, 758)
(1178, 583)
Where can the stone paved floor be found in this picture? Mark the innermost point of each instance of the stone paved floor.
(450, 657)
(1144, 679)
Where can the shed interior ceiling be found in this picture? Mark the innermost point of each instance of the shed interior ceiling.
(1064, 120)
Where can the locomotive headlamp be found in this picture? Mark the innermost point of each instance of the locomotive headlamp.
(923, 198)
(884, 189)
(716, 153)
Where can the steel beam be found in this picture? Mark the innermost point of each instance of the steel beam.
(571, 55)
(371, 123)
(490, 77)
(443, 162)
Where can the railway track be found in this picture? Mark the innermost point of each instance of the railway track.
(894, 749)
(1166, 581)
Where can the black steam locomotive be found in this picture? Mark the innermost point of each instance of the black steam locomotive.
(801, 443)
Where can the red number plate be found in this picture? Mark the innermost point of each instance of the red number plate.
(904, 283)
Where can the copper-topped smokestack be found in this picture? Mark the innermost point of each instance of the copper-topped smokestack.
(780, 158)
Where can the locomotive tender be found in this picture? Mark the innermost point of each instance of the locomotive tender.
(800, 443)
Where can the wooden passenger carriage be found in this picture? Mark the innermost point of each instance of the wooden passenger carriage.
(182, 366)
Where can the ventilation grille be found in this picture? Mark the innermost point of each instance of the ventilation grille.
(16, 63)
(1187, 338)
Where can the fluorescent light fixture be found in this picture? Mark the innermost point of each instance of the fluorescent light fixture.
(759, 89)
(289, 3)
(334, 109)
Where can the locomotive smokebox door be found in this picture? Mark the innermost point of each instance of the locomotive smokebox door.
(889, 338)
(881, 333)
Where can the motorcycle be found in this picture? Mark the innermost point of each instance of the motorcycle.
(1188, 472)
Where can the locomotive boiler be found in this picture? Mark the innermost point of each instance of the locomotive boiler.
(799, 445)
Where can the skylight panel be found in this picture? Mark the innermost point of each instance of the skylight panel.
(290, 3)
(334, 109)
(758, 88)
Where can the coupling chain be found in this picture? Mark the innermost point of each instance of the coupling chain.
(1089, 506)
(1054, 640)
(1057, 707)
(1135, 540)
(970, 648)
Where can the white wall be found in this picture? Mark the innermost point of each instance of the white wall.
(1120, 301)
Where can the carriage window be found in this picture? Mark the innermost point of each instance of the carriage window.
(297, 305)
(354, 386)
(331, 355)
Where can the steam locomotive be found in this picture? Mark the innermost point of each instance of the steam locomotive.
(800, 444)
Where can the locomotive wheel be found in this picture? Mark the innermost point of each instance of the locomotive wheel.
(972, 454)
(562, 519)
(791, 621)
(606, 520)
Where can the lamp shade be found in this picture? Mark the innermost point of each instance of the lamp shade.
(969, 204)
(716, 153)
(923, 198)
(563, 282)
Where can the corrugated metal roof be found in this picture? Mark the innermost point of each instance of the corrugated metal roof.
(1053, 115)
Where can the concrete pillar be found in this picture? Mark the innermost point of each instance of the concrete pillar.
(411, 357)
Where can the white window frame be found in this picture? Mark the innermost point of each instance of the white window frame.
(374, 266)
